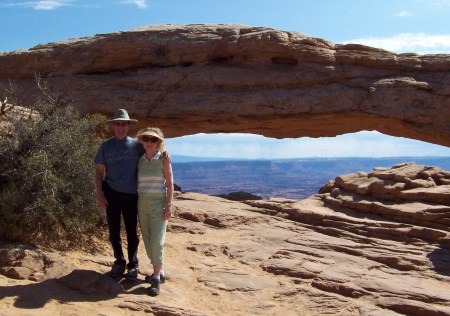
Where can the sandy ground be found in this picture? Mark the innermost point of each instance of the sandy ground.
(183, 294)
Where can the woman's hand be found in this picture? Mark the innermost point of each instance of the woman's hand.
(167, 214)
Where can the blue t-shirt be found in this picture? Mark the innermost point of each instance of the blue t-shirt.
(120, 158)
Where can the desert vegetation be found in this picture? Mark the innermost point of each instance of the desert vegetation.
(47, 190)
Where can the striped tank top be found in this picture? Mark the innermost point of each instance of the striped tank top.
(150, 175)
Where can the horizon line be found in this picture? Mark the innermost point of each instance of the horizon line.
(309, 157)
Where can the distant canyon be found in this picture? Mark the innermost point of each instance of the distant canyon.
(289, 178)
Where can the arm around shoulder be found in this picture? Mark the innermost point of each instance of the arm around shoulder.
(166, 157)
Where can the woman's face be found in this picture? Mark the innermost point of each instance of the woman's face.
(150, 142)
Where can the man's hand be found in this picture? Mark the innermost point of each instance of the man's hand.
(102, 202)
(99, 172)
(166, 157)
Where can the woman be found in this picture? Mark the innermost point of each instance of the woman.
(155, 188)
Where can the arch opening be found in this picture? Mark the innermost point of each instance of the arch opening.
(220, 164)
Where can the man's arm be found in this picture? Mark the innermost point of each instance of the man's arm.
(99, 173)
(166, 157)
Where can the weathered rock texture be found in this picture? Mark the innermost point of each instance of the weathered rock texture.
(369, 244)
(232, 78)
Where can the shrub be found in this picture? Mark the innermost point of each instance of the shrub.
(47, 185)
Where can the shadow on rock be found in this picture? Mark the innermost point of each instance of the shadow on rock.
(134, 287)
(87, 286)
(440, 258)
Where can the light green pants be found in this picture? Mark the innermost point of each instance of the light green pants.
(153, 226)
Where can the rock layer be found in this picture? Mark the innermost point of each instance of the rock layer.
(188, 79)
(334, 253)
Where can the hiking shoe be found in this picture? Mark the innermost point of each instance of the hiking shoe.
(132, 274)
(116, 271)
(154, 288)
(149, 278)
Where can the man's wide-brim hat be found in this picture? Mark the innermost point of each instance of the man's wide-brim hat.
(122, 115)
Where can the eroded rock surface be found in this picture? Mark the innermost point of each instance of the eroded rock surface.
(365, 245)
(189, 79)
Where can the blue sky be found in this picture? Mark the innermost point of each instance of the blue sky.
(420, 26)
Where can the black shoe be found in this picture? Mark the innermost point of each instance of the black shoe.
(117, 270)
(132, 274)
(149, 278)
(154, 288)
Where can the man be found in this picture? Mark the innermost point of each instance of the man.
(116, 186)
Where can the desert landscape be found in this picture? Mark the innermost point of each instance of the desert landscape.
(283, 178)
(368, 244)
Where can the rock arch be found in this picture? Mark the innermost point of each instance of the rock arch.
(234, 78)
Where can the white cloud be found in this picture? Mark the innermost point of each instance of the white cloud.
(403, 14)
(361, 144)
(409, 43)
(140, 3)
(41, 5)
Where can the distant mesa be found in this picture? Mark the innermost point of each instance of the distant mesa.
(284, 178)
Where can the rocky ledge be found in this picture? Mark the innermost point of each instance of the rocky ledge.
(367, 244)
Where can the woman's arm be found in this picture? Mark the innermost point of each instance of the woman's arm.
(168, 175)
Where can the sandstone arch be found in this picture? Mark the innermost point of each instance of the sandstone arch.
(233, 78)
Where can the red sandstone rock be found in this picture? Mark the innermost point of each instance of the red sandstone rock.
(339, 252)
(188, 79)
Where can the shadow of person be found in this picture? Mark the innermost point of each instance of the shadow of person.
(128, 284)
(440, 258)
(78, 286)
(137, 287)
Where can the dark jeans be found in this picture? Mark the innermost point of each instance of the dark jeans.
(124, 204)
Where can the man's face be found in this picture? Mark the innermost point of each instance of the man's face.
(120, 129)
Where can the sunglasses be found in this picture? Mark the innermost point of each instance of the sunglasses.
(146, 139)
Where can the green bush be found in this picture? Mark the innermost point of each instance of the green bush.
(47, 185)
